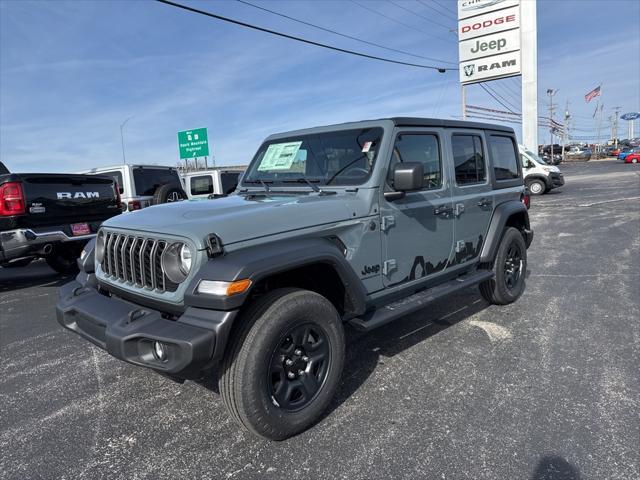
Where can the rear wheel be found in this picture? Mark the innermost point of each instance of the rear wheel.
(509, 267)
(536, 186)
(64, 258)
(168, 194)
(283, 364)
(634, 160)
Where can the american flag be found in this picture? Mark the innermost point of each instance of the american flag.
(592, 94)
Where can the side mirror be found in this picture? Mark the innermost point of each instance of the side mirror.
(407, 177)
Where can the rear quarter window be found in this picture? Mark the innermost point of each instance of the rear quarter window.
(504, 157)
(147, 180)
(229, 181)
(201, 185)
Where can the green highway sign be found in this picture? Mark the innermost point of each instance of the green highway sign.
(193, 143)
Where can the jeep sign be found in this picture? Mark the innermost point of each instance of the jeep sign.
(497, 43)
(489, 68)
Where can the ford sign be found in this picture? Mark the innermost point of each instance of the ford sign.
(630, 116)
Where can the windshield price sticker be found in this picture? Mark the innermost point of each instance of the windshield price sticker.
(366, 147)
(279, 156)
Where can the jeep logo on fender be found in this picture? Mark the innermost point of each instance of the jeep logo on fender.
(69, 195)
(368, 270)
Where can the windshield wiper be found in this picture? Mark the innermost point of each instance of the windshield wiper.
(263, 183)
(311, 183)
(333, 177)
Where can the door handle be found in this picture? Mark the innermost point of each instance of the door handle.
(485, 202)
(443, 211)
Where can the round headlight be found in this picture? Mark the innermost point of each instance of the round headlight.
(176, 262)
(99, 247)
(185, 259)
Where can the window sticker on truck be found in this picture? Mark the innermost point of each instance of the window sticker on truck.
(280, 156)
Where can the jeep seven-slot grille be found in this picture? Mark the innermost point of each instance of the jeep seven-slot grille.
(136, 260)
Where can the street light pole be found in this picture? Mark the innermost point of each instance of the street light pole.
(124, 161)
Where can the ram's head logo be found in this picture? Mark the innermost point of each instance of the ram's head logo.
(469, 69)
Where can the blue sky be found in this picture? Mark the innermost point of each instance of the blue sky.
(71, 72)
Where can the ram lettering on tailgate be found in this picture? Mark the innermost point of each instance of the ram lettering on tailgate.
(69, 195)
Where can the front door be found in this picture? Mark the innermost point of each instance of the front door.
(417, 230)
(472, 194)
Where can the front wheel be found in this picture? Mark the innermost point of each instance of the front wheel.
(509, 268)
(283, 364)
(536, 187)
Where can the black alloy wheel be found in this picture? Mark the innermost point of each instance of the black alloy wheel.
(299, 367)
(512, 266)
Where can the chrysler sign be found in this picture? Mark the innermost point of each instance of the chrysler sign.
(470, 8)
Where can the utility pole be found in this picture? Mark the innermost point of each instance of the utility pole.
(565, 128)
(551, 92)
(616, 115)
(464, 102)
(124, 160)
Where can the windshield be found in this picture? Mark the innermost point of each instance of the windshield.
(535, 157)
(344, 157)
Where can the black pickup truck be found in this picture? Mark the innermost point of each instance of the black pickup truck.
(51, 216)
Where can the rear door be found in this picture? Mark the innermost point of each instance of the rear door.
(472, 193)
(417, 230)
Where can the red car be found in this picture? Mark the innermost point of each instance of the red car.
(632, 158)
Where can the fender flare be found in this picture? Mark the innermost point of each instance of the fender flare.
(262, 261)
(501, 215)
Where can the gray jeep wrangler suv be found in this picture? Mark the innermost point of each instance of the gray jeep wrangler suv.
(358, 223)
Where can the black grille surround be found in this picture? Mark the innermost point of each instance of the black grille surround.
(136, 261)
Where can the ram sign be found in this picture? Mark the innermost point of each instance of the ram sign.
(489, 39)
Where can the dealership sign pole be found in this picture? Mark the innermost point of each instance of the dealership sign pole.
(497, 39)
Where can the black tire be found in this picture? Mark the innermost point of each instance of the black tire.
(536, 186)
(248, 380)
(168, 194)
(64, 258)
(506, 287)
(23, 262)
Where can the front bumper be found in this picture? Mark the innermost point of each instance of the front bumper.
(194, 341)
(23, 242)
(557, 179)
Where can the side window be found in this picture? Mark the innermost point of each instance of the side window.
(117, 177)
(229, 181)
(420, 148)
(201, 185)
(504, 157)
(468, 159)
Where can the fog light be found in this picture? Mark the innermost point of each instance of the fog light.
(160, 351)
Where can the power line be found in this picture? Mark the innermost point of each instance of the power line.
(501, 97)
(444, 14)
(300, 39)
(494, 97)
(343, 34)
(421, 16)
(375, 12)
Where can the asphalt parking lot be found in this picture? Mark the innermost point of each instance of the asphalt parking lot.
(546, 388)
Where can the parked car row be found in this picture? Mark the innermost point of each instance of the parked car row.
(52, 216)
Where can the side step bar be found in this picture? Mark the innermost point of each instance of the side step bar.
(405, 306)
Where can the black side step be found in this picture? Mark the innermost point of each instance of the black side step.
(407, 305)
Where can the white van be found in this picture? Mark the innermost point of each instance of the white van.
(203, 183)
(539, 176)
